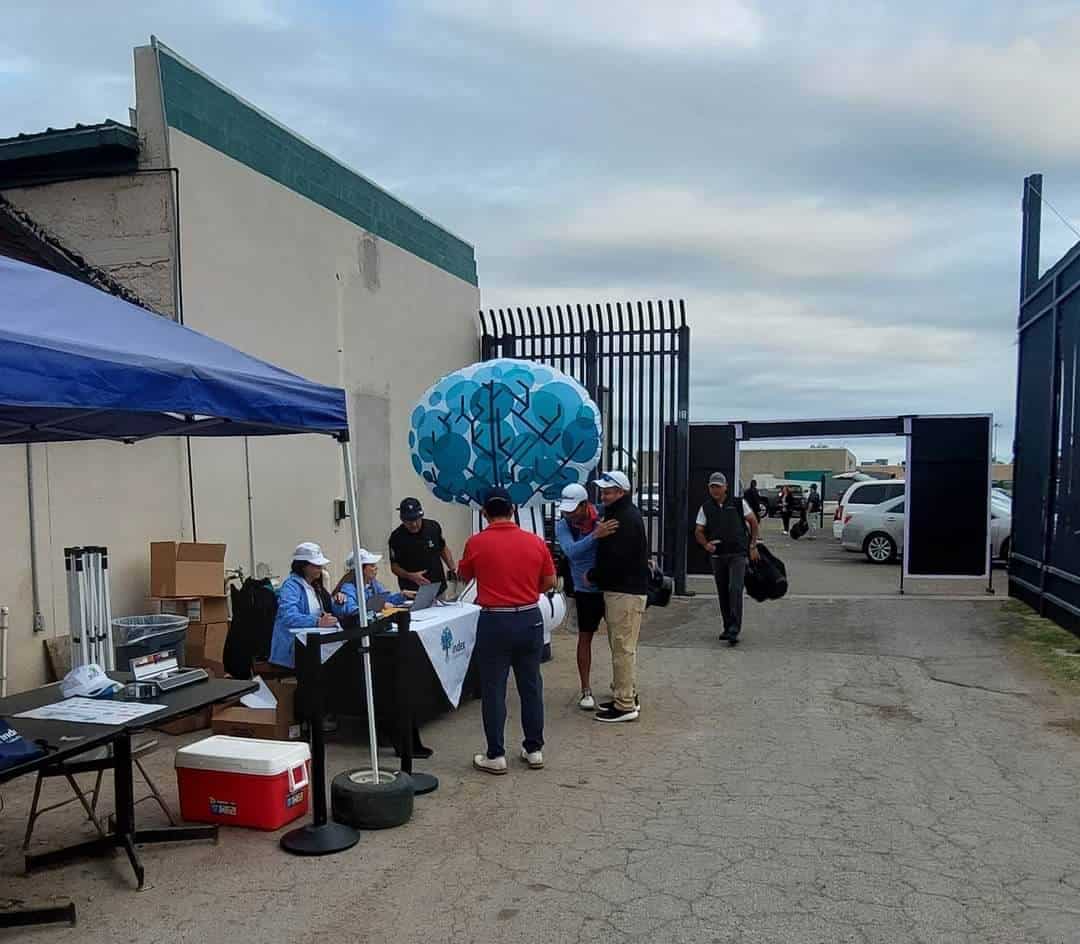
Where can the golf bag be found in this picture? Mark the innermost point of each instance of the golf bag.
(799, 528)
(766, 578)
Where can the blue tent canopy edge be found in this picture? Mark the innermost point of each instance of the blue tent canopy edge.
(77, 363)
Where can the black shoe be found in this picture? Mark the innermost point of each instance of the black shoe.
(610, 705)
(419, 752)
(725, 635)
(733, 640)
(612, 715)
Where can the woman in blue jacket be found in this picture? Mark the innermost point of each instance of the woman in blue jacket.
(303, 603)
(577, 531)
(347, 602)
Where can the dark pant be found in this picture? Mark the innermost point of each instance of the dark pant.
(729, 571)
(785, 517)
(505, 641)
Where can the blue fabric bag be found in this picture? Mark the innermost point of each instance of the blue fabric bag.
(14, 748)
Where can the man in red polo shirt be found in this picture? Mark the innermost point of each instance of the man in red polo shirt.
(512, 568)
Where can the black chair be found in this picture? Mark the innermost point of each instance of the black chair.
(95, 762)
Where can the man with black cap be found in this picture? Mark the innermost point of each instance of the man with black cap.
(728, 530)
(512, 568)
(418, 549)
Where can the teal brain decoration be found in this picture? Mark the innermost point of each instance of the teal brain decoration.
(527, 427)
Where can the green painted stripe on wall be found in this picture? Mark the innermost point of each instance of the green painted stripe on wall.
(206, 111)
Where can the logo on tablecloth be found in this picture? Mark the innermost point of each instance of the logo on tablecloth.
(447, 642)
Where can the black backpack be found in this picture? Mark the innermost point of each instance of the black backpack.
(766, 578)
(799, 528)
(254, 606)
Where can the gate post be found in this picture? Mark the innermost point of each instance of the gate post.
(592, 384)
(682, 461)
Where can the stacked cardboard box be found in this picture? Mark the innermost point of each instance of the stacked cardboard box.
(188, 579)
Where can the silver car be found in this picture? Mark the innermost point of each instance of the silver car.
(879, 531)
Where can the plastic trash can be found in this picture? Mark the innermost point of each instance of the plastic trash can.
(135, 636)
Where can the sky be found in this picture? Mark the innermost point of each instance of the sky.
(833, 188)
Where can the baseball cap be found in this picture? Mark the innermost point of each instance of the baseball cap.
(497, 494)
(310, 553)
(613, 480)
(572, 496)
(410, 509)
(366, 557)
(718, 478)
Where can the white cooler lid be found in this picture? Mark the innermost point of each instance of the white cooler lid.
(243, 755)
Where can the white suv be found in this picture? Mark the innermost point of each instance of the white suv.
(863, 495)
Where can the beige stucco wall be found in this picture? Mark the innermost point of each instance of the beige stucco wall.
(283, 278)
(754, 462)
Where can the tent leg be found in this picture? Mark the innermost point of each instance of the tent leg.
(369, 694)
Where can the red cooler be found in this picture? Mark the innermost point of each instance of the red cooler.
(243, 782)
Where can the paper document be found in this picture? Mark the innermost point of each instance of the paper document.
(263, 698)
(91, 711)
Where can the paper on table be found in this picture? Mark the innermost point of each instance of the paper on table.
(91, 711)
(263, 698)
(327, 651)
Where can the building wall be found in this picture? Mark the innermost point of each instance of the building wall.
(285, 279)
(778, 462)
(122, 225)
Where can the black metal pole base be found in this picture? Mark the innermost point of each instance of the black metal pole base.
(30, 917)
(424, 783)
(312, 840)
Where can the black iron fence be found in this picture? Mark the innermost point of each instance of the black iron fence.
(634, 360)
(1044, 564)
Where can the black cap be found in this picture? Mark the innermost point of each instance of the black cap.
(496, 497)
(410, 509)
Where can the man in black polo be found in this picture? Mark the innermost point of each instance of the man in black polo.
(418, 550)
(727, 528)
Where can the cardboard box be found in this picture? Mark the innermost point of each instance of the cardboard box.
(205, 647)
(272, 724)
(196, 609)
(187, 569)
(196, 722)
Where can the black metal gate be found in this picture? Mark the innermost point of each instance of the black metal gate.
(1044, 567)
(634, 360)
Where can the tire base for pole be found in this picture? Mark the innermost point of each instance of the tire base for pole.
(312, 840)
(424, 783)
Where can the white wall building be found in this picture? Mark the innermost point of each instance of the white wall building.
(210, 211)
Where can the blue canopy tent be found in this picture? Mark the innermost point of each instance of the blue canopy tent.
(79, 364)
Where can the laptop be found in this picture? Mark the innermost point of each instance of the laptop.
(425, 596)
(376, 604)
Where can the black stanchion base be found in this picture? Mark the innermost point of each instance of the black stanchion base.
(312, 840)
(424, 783)
(32, 917)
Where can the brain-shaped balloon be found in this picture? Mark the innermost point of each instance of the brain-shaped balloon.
(527, 427)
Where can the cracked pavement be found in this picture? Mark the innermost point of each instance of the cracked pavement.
(858, 770)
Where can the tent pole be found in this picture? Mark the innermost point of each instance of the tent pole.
(354, 523)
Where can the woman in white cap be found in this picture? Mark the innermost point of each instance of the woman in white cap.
(303, 603)
(346, 599)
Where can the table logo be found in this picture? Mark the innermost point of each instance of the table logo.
(447, 642)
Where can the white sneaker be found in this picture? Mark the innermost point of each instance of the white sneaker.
(587, 702)
(535, 759)
(491, 765)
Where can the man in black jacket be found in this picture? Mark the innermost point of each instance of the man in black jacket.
(622, 573)
(728, 530)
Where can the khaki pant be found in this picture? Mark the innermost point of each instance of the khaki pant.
(623, 615)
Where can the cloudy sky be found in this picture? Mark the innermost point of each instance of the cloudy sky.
(832, 187)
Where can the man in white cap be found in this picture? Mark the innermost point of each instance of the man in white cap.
(577, 531)
(622, 573)
(728, 530)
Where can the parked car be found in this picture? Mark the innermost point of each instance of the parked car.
(878, 532)
(861, 496)
(770, 499)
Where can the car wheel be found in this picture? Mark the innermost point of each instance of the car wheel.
(879, 548)
(358, 802)
(763, 511)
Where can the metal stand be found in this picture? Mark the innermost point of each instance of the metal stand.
(89, 606)
(122, 833)
(422, 783)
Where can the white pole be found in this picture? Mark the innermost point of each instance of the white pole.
(110, 654)
(72, 600)
(85, 627)
(3, 650)
(92, 601)
(369, 694)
